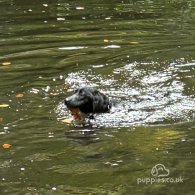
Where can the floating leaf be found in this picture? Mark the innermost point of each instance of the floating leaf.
(1, 119)
(134, 42)
(67, 120)
(45, 5)
(6, 63)
(6, 146)
(4, 105)
(19, 95)
(106, 40)
(80, 8)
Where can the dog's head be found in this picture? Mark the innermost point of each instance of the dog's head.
(88, 100)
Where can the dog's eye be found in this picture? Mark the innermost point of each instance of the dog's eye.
(76, 90)
(81, 92)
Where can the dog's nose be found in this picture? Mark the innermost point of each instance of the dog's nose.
(66, 101)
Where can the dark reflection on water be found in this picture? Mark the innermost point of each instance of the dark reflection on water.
(140, 53)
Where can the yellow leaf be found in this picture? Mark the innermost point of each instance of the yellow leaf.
(4, 105)
(6, 63)
(67, 120)
(106, 40)
(1, 119)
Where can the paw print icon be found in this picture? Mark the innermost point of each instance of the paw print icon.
(159, 170)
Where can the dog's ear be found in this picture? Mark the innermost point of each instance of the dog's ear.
(95, 99)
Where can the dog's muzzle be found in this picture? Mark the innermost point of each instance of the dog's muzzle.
(75, 111)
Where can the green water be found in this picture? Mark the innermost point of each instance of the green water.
(139, 53)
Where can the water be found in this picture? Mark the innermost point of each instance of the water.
(139, 53)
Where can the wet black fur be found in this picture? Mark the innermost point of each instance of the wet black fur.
(88, 100)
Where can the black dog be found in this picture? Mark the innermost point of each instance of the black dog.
(89, 101)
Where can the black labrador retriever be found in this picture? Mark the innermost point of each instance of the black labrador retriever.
(88, 101)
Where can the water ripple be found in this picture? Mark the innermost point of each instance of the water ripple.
(142, 95)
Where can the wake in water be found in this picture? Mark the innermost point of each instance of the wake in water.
(143, 93)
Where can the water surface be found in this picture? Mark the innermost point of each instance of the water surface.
(139, 53)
